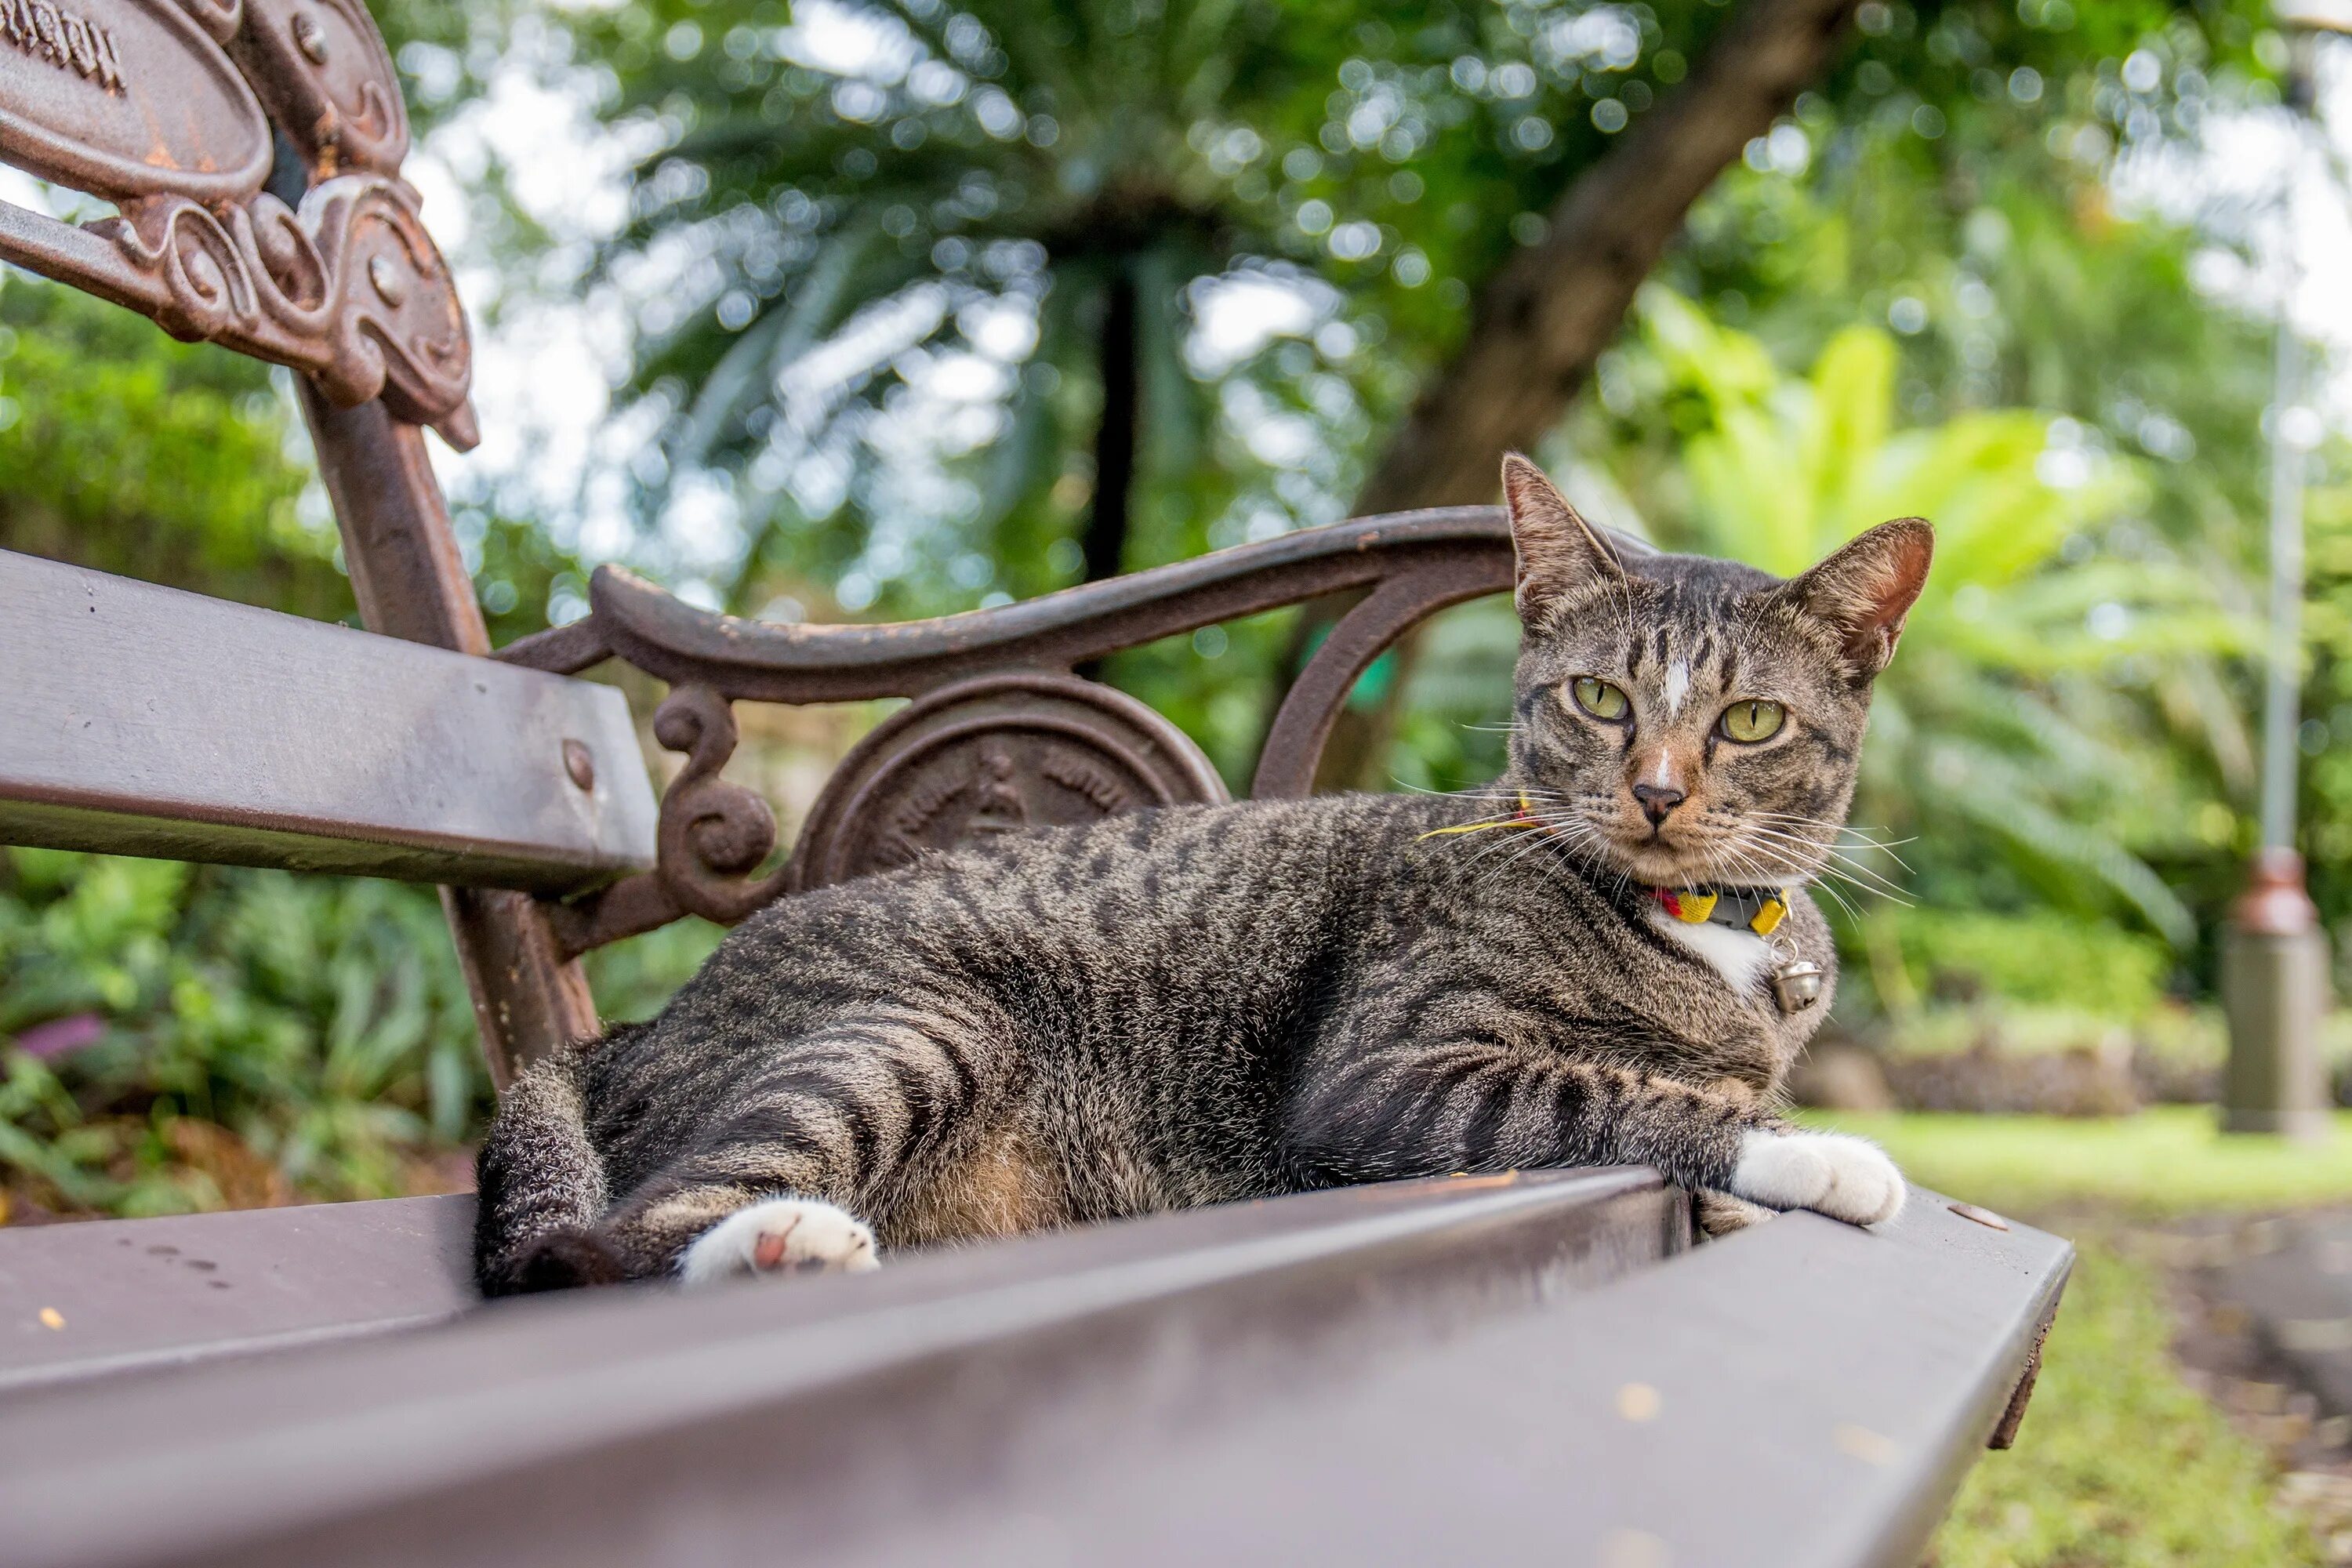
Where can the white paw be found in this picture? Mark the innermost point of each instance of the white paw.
(781, 1235)
(1830, 1172)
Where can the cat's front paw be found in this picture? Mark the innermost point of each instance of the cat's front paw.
(781, 1235)
(1844, 1177)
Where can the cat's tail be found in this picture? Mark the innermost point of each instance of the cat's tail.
(540, 1186)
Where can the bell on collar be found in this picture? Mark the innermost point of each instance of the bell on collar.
(1797, 984)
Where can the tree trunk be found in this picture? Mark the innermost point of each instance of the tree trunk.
(1544, 319)
(1105, 542)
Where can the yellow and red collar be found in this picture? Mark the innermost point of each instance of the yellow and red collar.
(1755, 909)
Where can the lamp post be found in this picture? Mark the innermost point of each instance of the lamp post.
(2273, 955)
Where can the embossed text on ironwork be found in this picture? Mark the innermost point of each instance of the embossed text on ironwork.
(49, 32)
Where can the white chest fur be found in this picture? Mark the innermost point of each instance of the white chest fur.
(1741, 957)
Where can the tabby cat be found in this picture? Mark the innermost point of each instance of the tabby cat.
(1203, 1004)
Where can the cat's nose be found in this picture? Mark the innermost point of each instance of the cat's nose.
(1656, 800)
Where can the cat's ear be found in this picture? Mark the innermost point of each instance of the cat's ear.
(1558, 553)
(1865, 588)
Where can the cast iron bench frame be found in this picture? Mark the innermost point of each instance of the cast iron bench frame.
(1474, 1368)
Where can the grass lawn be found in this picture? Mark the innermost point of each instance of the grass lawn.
(2119, 1461)
(2163, 1161)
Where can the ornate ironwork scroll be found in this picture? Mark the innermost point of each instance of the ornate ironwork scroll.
(1002, 736)
(322, 73)
(166, 110)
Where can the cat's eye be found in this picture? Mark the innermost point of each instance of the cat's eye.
(1753, 719)
(1599, 698)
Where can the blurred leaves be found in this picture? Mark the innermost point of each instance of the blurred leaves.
(322, 1024)
(133, 454)
(177, 1036)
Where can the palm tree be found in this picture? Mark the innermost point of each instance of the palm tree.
(1033, 178)
(1058, 181)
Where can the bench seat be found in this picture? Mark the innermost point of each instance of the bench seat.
(1446, 1371)
(85, 1300)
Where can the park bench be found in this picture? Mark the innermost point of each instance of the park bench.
(1476, 1369)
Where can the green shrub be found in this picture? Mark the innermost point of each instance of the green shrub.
(176, 1036)
(2045, 958)
(319, 1025)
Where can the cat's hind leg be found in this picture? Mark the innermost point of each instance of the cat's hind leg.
(788, 1236)
(786, 1180)
(709, 1220)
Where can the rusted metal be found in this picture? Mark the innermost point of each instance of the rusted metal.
(1294, 742)
(320, 69)
(125, 100)
(2275, 902)
(2012, 1416)
(767, 662)
(410, 582)
(998, 753)
(1001, 734)
(711, 830)
(141, 104)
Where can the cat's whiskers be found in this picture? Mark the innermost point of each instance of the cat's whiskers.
(1514, 849)
(1827, 877)
(1836, 862)
(1747, 856)
(1571, 835)
(1771, 861)
(1811, 844)
(1842, 830)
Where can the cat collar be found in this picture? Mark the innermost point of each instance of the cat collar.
(1755, 910)
(1797, 980)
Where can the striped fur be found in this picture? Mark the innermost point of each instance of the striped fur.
(1206, 1003)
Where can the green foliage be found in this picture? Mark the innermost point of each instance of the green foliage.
(2039, 958)
(321, 1022)
(239, 1036)
(2165, 1161)
(2326, 733)
(817, 247)
(973, 188)
(2119, 1464)
(133, 454)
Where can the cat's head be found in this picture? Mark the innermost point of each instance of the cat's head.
(1688, 721)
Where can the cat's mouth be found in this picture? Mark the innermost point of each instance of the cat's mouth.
(1668, 855)
(1657, 857)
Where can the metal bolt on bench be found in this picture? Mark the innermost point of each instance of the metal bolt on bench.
(1474, 1369)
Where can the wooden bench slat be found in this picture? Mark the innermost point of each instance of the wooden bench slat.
(144, 720)
(1430, 1372)
(132, 1295)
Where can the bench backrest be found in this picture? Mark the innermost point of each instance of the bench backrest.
(253, 149)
